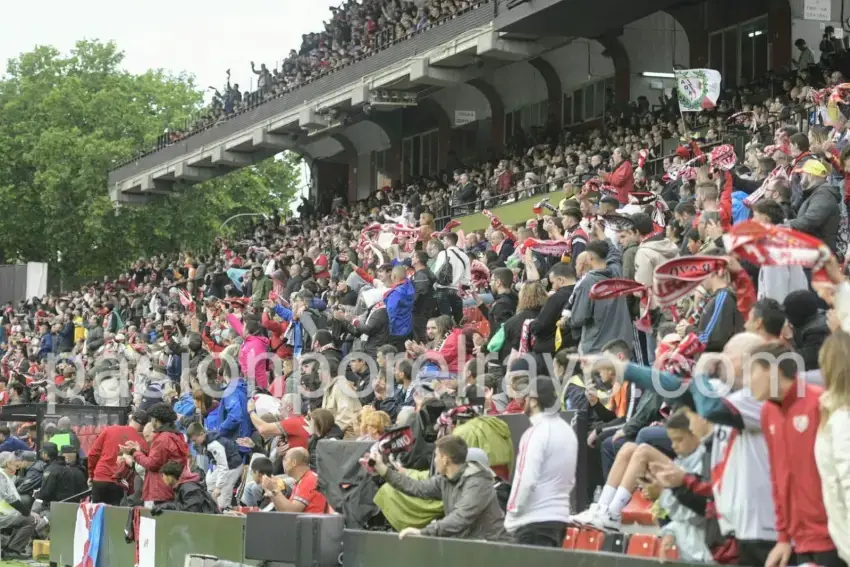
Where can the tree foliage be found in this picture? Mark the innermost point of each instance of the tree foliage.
(64, 122)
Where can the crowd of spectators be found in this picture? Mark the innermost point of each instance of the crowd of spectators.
(186, 341)
(356, 29)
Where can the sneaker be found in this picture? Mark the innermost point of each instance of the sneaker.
(605, 522)
(584, 518)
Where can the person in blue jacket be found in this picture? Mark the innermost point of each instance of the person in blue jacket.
(234, 421)
(399, 302)
(10, 443)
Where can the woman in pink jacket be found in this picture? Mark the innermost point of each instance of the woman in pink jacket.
(252, 354)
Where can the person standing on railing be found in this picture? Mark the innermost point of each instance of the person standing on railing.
(622, 177)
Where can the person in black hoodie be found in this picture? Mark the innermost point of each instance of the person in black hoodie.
(60, 481)
(808, 323)
(189, 494)
(505, 305)
(424, 303)
(562, 278)
(324, 427)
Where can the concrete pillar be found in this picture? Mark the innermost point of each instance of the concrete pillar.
(553, 85)
(692, 19)
(351, 158)
(497, 112)
(444, 128)
(622, 67)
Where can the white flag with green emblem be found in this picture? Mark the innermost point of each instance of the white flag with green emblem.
(698, 89)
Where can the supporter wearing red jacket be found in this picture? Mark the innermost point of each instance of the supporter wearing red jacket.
(103, 458)
(168, 445)
(790, 421)
(623, 176)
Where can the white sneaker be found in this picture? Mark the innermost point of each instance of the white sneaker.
(605, 522)
(584, 518)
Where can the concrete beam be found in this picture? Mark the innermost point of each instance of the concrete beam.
(491, 45)
(262, 139)
(152, 186)
(116, 195)
(421, 73)
(221, 156)
(310, 119)
(201, 159)
(241, 144)
(186, 172)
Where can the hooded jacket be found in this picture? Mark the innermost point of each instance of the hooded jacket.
(832, 450)
(502, 309)
(251, 361)
(685, 524)
(190, 496)
(167, 445)
(233, 413)
(103, 455)
(818, 214)
(260, 291)
(469, 498)
(650, 254)
(399, 302)
(600, 322)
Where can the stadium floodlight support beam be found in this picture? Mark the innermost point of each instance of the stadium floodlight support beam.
(422, 73)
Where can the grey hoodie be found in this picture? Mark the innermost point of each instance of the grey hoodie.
(650, 255)
(470, 504)
(600, 321)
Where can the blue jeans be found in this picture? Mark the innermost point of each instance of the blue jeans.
(654, 435)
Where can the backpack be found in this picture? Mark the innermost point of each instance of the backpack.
(445, 275)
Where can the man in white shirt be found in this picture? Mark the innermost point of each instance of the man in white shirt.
(13, 514)
(539, 505)
(449, 284)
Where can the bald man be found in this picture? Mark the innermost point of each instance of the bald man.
(503, 247)
(742, 494)
(305, 494)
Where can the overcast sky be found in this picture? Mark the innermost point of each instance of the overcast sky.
(203, 38)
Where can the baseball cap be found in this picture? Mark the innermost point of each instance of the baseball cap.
(813, 167)
(27, 456)
(140, 416)
(66, 449)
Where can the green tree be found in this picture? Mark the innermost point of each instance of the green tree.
(64, 122)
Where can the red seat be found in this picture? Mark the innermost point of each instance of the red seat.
(75, 429)
(643, 545)
(590, 540)
(86, 430)
(98, 429)
(638, 511)
(570, 538)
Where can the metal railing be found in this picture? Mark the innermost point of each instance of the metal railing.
(383, 39)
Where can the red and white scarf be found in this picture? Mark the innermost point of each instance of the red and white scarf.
(679, 277)
(498, 225)
(768, 245)
(546, 247)
(758, 194)
(619, 287)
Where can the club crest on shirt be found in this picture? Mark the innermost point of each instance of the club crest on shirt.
(801, 422)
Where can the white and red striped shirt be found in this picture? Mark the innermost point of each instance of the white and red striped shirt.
(545, 473)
